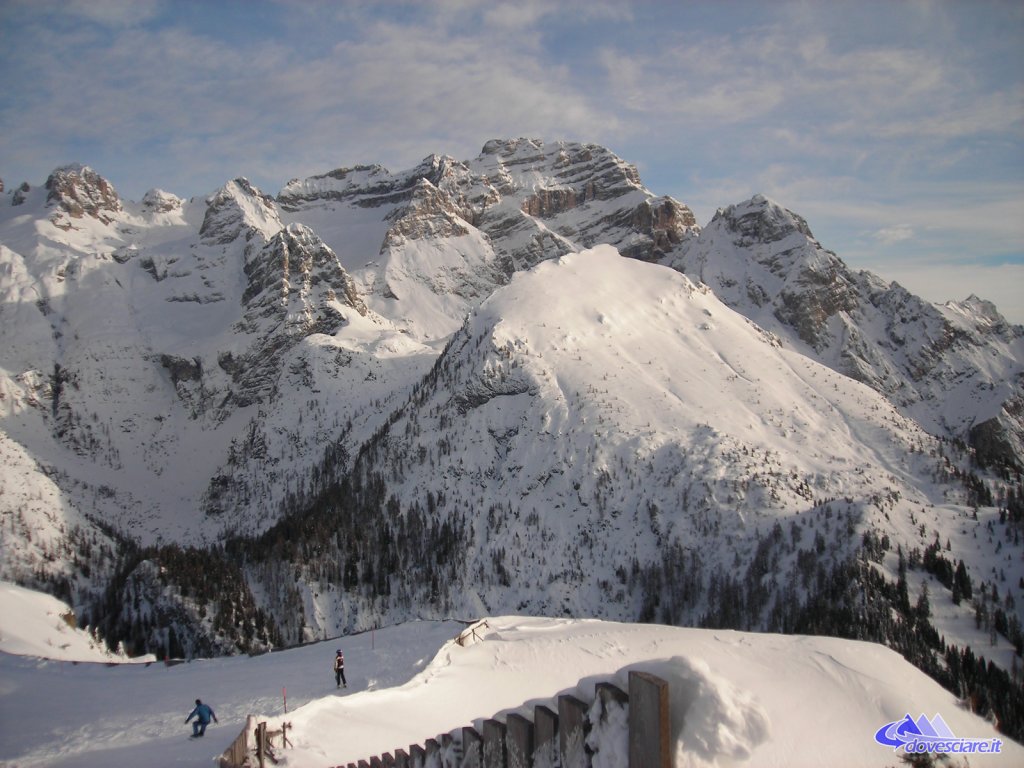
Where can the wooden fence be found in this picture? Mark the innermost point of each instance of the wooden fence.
(237, 755)
(570, 735)
(241, 755)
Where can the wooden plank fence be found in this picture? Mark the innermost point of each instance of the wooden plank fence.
(237, 755)
(245, 754)
(570, 735)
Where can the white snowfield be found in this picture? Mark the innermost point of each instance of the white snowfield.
(737, 698)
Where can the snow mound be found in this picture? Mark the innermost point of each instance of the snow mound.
(36, 624)
(712, 718)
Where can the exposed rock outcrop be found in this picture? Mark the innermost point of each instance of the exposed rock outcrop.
(238, 209)
(430, 213)
(20, 194)
(77, 191)
(296, 287)
(158, 201)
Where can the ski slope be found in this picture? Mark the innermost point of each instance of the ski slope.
(737, 698)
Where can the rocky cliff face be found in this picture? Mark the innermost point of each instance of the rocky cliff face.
(573, 196)
(76, 191)
(429, 213)
(296, 288)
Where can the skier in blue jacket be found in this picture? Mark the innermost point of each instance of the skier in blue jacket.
(202, 713)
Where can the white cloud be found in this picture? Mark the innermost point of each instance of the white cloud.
(805, 89)
(894, 234)
(388, 92)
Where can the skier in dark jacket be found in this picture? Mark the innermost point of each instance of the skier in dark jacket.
(339, 669)
(203, 714)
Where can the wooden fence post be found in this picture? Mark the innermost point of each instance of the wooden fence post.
(494, 744)
(418, 755)
(261, 743)
(519, 741)
(572, 731)
(432, 752)
(545, 734)
(448, 755)
(472, 748)
(648, 721)
(401, 758)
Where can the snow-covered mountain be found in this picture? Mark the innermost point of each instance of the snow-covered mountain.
(601, 409)
(521, 382)
(146, 343)
(955, 368)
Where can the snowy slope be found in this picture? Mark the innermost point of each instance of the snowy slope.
(598, 411)
(765, 700)
(40, 625)
(737, 699)
(605, 438)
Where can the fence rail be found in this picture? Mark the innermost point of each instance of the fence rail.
(237, 755)
(571, 734)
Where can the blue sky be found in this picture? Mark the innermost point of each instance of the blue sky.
(895, 128)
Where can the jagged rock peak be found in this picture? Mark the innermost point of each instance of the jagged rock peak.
(430, 213)
(296, 287)
(236, 207)
(77, 190)
(158, 201)
(435, 168)
(982, 311)
(761, 219)
(296, 259)
(759, 255)
(21, 193)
